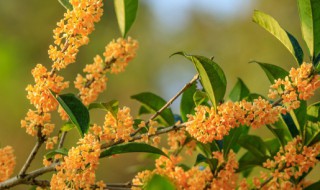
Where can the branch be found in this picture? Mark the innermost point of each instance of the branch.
(33, 153)
(27, 177)
(186, 86)
(158, 132)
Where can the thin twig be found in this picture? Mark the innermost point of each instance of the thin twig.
(32, 154)
(158, 132)
(62, 138)
(186, 86)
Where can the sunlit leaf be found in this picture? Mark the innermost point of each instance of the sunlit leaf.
(111, 106)
(66, 4)
(309, 16)
(312, 129)
(272, 26)
(273, 72)
(200, 97)
(62, 151)
(67, 126)
(158, 182)
(239, 91)
(212, 77)
(126, 11)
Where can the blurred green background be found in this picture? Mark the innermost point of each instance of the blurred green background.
(222, 29)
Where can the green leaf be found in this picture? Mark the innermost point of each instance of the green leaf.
(154, 103)
(312, 129)
(77, 112)
(200, 97)
(252, 96)
(143, 110)
(281, 131)
(66, 4)
(131, 147)
(67, 126)
(255, 145)
(158, 182)
(273, 72)
(111, 106)
(299, 116)
(249, 160)
(126, 11)
(187, 104)
(212, 77)
(314, 186)
(239, 91)
(291, 125)
(272, 26)
(52, 153)
(231, 141)
(309, 17)
(273, 146)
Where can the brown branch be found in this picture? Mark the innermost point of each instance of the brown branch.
(33, 153)
(27, 177)
(158, 132)
(186, 86)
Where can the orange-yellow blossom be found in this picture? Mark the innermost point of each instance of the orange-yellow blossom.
(7, 162)
(209, 124)
(35, 121)
(39, 94)
(77, 170)
(300, 84)
(93, 83)
(73, 30)
(118, 53)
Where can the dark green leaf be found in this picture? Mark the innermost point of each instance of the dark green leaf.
(273, 72)
(272, 26)
(249, 160)
(52, 153)
(281, 131)
(314, 186)
(255, 145)
(131, 147)
(77, 112)
(158, 182)
(239, 91)
(154, 103)
(143, 110)
(66, 4)
(212, 77)
(291, 125)
(126, 11)
(201, 158)
(200, 97)
(231, 141)
(310, 25)
(187, 104)
(312, 130)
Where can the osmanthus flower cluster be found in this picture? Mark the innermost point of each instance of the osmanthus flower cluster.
(208, 124)
(7, 162)
(40, 96)
(77, 170)
(300, 84)
(116, 57)
(290, 163)
(73, 30)
(197, 177)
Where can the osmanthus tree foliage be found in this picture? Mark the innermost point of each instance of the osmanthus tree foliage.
(211, 124)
